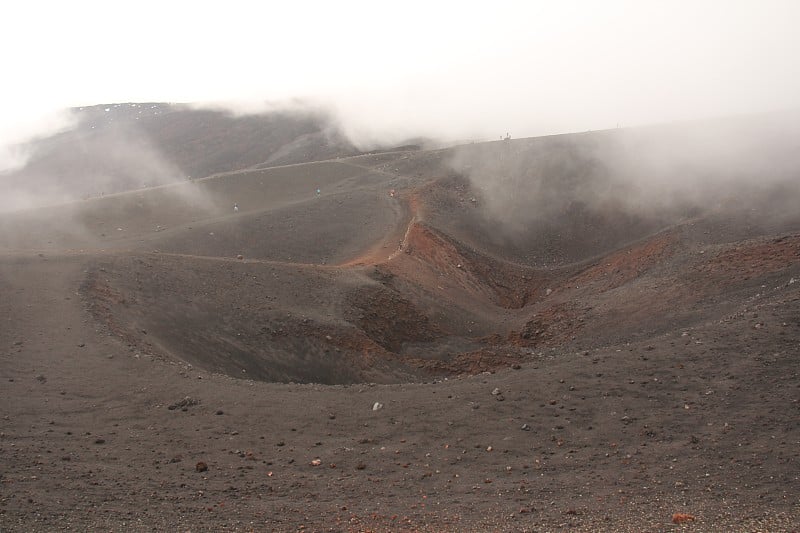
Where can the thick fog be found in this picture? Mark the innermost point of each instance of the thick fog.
(682, 169)
(89, 156)
(451, 71)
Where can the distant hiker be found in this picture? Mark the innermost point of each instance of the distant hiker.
(319, 192)
(235, 208)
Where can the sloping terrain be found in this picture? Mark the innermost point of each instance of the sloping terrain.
(121, 147)
(410, 340)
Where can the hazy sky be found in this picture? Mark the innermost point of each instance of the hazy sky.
(455, 69)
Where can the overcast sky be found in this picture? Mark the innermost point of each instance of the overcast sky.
(453, 69)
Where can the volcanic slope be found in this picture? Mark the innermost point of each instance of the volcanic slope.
(606, 367)
(387, 268)
(113, 148)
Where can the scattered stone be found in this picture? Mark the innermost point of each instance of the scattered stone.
(99, 441)
(496, 392)
(680, 518)
(316, 462)
(201, 467)
(377, 406)
(41, 379)
(525, 427)
(219, 412)
(516, 366)
(183, 404)
(81, 345)
(240, 257)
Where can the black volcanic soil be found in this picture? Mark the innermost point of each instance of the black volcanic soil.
(377, 357)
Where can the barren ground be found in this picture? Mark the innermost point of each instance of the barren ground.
(600, 374)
